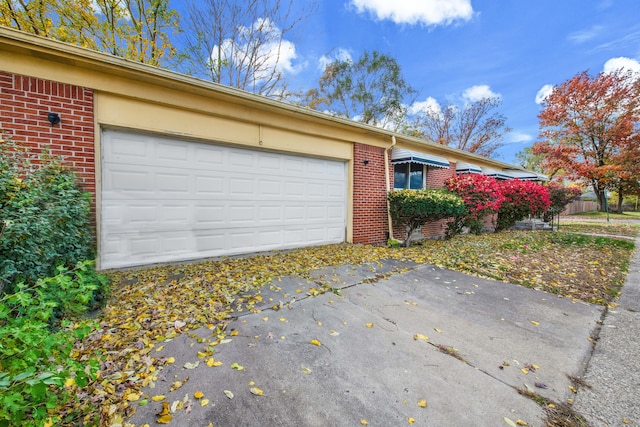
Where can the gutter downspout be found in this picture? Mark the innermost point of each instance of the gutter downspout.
(388, 182)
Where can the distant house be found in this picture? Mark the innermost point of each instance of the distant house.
(184, 169)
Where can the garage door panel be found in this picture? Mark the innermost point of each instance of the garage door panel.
(209, 185)
(172, 152)
(167, 200)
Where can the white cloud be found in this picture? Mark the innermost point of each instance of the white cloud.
(428, 104)
(543, 93)
(423, 12)
(622, 62)
(478, 92)
(515, 137)
(272, 54)
(585, 35)
(339, 54)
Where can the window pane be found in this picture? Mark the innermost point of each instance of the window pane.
(417, 176)
(400, 176)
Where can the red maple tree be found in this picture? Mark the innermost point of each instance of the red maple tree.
(590, 132)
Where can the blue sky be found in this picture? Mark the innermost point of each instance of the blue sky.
(452, 50)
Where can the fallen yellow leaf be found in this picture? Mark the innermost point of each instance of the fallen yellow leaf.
(315, 342)
(533, 322)
(411, 420)
(158, 398)
(437, 330)
(165, 419)
(364, 422)
(204, 402)
(233, 333)
(521, 423)
(171, 360)
(422, 403)
(369, 325)
(573, 389)
(160, 348)
(256, 391)
(420, 337)
(211, 362)
(165, 409)
(198, 394)
(524, 371)
(69, 382)
(132, 397)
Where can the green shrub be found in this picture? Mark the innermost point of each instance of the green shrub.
(44, 217)
(38, 374)
(414, 208)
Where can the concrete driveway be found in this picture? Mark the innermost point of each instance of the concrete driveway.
(373, 365)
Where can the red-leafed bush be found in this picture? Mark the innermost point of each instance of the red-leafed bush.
(482, 196)
(521, 199)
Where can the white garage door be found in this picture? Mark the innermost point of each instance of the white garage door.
(167, 200)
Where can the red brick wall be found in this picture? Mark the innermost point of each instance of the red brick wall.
(24, 104)
(370, 224)
(436, 177)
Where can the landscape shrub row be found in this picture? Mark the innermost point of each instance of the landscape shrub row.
(469, 199)
(47, 283)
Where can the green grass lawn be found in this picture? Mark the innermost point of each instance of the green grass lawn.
(609, 228)
(603, 215)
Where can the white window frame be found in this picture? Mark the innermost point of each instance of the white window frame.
(425, 169)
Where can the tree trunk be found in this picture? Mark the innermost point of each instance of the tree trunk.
(620, 201)
(602, 199)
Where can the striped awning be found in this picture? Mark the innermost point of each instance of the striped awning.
(496, 173)
(462, 167)
(400, 155)
(528, 175)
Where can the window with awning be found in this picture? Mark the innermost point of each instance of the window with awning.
(410, 168)
(400, 155)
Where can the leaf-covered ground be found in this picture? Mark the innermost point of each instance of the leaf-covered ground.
(148, 306)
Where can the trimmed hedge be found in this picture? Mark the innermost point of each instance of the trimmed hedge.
(414, 208)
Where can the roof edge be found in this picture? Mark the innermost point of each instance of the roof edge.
(58, 51)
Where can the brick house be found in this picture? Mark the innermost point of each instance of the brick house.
(181, 169)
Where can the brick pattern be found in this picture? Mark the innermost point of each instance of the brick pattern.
(370, 224)
(24, 105)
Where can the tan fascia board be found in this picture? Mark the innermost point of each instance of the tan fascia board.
(56, 51)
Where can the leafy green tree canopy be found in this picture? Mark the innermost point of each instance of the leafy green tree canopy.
(371, 90)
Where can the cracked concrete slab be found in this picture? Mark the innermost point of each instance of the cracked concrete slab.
(368, 365)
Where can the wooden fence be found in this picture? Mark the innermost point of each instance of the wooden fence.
(579, 206)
